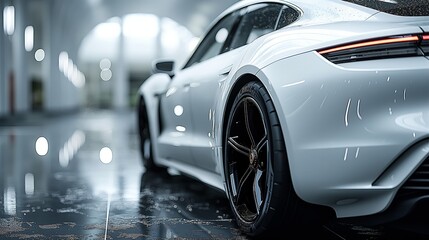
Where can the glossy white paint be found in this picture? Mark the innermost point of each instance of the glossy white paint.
(354, 132)
(345, 125)
(150, 90)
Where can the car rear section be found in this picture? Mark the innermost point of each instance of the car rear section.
(353, 100)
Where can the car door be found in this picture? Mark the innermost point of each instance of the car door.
(203, 92)
(206, 76)
(175, 125)
(178, 130)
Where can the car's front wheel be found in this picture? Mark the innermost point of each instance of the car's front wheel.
(146, 147)
(256, 166)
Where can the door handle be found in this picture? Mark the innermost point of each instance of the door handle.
(225, 71)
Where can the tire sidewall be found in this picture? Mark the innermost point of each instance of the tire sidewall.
(257, 226)
(144, 135)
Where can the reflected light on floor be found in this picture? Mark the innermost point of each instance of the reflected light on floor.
(71, 147)
(29, 184)
(10, 201)
(106, 155)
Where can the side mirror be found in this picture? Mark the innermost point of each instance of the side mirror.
(163, 67)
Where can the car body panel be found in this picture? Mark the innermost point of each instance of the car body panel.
(150, 91)
(207, 78)
(354, 132)
(368, 114)
(175, 139)
(292, 41)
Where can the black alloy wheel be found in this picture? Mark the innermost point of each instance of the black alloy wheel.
(256, 166)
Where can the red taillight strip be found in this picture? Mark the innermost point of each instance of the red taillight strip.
(374, 43)
(425, 37)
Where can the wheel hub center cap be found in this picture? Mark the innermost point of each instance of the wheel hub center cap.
(253, 157)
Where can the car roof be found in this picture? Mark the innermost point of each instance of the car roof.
(314, 4)
(314, 11)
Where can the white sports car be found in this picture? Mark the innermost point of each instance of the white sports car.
(292, 104)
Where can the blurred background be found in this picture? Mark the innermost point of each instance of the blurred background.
(60, 55)
(70, 165)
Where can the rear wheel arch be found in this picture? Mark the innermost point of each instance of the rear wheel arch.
(241, 81)
(274, 203)
(283, 187)
(235, 89)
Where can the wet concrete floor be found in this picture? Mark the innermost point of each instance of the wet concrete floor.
(79, 176)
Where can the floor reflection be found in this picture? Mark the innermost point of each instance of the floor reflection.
(80, 177)
(175, 206)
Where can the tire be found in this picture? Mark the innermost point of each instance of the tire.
(146, 148)
(256, 167)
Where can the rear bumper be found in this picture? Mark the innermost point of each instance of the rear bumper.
(354, 132)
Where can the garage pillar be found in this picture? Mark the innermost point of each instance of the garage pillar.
(19, 76)
(120, 80)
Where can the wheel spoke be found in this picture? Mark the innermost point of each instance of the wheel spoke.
(146, 149)
(247, 122)
(262, 143)
(257, 192)
(249, 147)
(243, 180)
(238, 147)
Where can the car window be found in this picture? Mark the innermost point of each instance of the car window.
(242, 27)
(287, 16)
(259, 20)
(213, 44)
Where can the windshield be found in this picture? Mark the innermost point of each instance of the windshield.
(397, 7)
